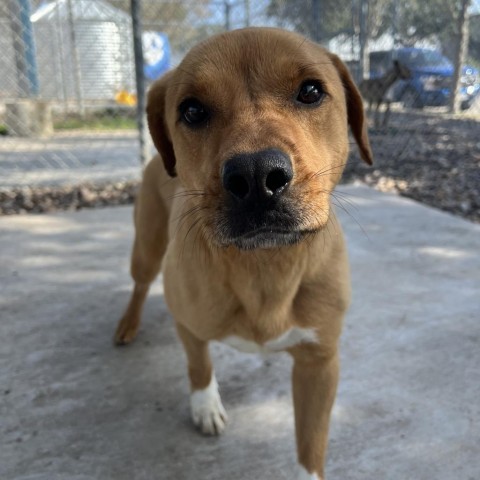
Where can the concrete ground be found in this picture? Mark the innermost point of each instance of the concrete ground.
(74, 407)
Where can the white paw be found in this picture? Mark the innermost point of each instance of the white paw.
(208, 413)
(302, 474)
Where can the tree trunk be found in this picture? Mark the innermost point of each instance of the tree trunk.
(461, 47)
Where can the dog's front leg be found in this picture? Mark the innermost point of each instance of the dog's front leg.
(314, 382)
(207, 410)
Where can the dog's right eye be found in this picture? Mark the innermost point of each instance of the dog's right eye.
(193, 113)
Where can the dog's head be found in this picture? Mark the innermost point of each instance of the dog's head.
(255, 124)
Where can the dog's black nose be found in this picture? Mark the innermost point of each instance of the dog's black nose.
(256, 177)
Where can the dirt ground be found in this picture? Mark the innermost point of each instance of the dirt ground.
(428, 156)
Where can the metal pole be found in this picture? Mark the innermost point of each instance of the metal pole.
(247, 13)
(227, 15)
(363, 40)
(76, 60)
(136, 12)
(353, 41)
(461, 49)
(395, 24)
(24, 47)
(61, 57)
(28, 40)
(317, 23)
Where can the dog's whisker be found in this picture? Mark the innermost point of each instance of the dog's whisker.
(191, 227)
(331, 223)
(344, 196)
(338, 196)
(182, 216)
(192, 212)
(187, 215)
(350, 194)
(339, 205)
(319, 173)
(337, 202)
(329, 170)
(325, 171)
(194, 251)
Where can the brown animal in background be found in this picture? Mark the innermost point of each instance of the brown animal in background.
(374, 90)
(252, 131)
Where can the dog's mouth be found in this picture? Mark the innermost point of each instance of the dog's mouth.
(263, 230)
(266, 238)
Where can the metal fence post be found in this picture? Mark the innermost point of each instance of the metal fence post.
(24, 47)
(395, 16)
(228, 9)
(317, 22)
(364, 65)
(136, 12)
(75, 59)
(247, 13)
(461, 48)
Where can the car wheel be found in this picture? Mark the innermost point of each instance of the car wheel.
(410, 99)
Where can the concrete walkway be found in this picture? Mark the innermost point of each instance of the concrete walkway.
(74, 407)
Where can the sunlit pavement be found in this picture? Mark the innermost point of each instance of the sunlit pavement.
(74, 407)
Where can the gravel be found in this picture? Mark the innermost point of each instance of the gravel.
(49, 199)
(426, 156)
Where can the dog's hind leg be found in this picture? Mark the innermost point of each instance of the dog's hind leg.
(207, 410)
(151, 237)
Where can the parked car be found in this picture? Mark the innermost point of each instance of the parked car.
(431, 77)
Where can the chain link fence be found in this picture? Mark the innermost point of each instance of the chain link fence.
(69, 89)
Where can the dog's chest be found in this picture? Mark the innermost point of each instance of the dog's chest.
(288, 339)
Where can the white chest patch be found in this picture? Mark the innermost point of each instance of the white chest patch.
(288, 339)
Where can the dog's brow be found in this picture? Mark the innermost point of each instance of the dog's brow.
(186, 72)
(306, 66)
(178, 84)
(301, 43)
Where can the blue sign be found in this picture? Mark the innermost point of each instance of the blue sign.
(156, 54)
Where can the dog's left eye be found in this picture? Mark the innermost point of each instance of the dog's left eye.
(193, 112)
(311, 93)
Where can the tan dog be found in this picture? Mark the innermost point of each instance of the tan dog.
(253, 125)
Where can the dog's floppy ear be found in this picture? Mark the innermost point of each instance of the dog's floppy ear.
(355, 111)
(157, 122)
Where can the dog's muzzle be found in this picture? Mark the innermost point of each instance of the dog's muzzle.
(258, 211)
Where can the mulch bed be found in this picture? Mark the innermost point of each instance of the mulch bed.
(50, 199)
(430, 158)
